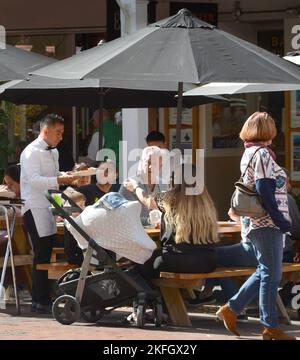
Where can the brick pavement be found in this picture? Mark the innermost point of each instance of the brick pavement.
(44, 327)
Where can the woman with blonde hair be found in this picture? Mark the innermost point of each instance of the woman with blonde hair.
(188, 229)
(265, 233)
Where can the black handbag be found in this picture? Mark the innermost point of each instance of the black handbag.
(245, 200)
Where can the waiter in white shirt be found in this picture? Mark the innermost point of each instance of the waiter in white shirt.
(40, 172)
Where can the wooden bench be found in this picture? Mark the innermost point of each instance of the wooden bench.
(56, 269)
(56, 251)
(171, 283)
(19, 260)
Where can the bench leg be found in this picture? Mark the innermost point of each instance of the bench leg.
(282, 311)
(176, 306)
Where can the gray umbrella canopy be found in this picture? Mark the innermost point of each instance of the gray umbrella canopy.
(41, 90)
(181, 48)
(175, 54)
(17, 63)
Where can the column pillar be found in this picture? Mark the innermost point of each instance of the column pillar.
(134, 121)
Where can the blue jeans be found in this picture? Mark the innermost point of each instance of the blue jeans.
(264, 282)
(242, 254)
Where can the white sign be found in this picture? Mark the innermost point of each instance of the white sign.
(295, 156)
(187, 116)
(2, 37)
(295, 109)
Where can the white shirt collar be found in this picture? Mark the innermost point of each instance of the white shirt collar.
(41, 142)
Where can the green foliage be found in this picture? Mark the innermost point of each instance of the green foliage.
(1, 175)
(5, 148)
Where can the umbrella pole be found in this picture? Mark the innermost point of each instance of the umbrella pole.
(179, 116)
(100, 141)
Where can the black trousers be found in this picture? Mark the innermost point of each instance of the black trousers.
(42, 248)
(182, 258)
(73, 252)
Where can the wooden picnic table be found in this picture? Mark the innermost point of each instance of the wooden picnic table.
(153, 233)
(224, 227)
(59, 266)
(22, 252)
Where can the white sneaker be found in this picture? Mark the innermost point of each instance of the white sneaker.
(24, 295)
(9, 293)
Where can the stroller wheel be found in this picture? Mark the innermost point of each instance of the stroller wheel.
(158, 315)
(92, 316)
(140, 316)
(66, 309)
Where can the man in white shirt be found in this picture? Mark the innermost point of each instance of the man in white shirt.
(40, 172)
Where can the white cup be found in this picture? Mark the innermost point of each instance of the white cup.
(154, 217)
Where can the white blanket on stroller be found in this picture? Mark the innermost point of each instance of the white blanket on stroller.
(119, 230)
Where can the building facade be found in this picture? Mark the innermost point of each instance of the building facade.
(60, 29)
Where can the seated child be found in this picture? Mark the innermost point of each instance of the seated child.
(73, 252)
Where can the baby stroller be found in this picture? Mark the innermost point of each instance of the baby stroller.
(90, 296)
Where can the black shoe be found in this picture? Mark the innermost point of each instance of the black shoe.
(198, 301)
(44, 309)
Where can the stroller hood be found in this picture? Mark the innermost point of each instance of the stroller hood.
(117, 229)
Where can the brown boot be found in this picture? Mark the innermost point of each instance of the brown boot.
(275, 334)
(229, 318)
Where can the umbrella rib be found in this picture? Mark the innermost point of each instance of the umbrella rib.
(195, 70)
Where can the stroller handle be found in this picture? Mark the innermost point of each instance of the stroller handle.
(63, 195)
(64, 214)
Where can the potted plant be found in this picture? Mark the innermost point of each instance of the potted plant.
(5, 148)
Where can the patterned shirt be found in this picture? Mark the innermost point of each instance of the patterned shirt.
(263, 166)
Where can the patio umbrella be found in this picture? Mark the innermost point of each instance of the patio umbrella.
(41, 90)
(175, 54)
(178, 49)
(17, 63)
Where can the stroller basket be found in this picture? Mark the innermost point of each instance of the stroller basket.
(105, 289)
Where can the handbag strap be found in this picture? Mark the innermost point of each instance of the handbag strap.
(261, 147)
